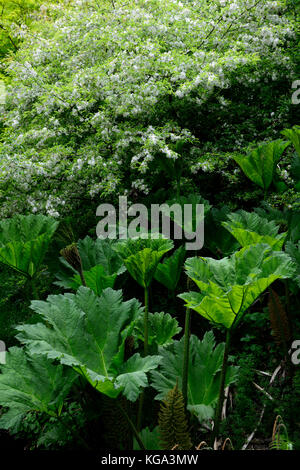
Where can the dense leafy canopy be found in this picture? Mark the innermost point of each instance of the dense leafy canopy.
(105, 91)
(169, 103)
(293, 250)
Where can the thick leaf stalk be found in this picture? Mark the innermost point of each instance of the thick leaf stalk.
(146, 348)
(146, 322)
(218, 414)
(185, 371)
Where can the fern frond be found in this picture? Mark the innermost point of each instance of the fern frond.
(280, 438)
(172, 422)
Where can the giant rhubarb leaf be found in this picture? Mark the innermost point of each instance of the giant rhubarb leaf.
(205, 362)
(230, 285)
(260, 164)
(101, 265)
(142, 255)
(88, 333)
(168, 273)
(31, 383)
(24, 241)
(249, 229)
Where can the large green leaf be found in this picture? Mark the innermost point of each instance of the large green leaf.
(249, 229)
(149, 438)
(31, 383)
(205, 362)
(142, 255)
(161, 329)
(96, 279)
(293, 250)
(101, 265)
(190, 225)
(100, 251)
(217, 239)
(260, 164)
(88, 333)
(293, 135)
(24, 241)
(229, 286)
(168, 272)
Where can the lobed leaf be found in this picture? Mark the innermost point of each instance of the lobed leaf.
(88, 333)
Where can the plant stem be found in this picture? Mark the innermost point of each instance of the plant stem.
(221, 389)
(186, 353)
(134, 429)
(34, 290)
(146, 320)
(140, 411)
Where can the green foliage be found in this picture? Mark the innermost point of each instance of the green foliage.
(18, 17)
(244, 416)
(59, 433)
(287, 219)
(101, 99)
(161, 330)
(189, 225)
(31, 383)
(229, 286)
(168, 272)
(249, 229)
(218, 240)
(293, 250)
(96, 279)
(205, 361)
(98, 263)
(293, 135)
(24, 241)
(260, 164)
(150, 439)
(100, 251)
(88, 333)
(172, 422)
(182, 98)
(141, 257)
(280, 437)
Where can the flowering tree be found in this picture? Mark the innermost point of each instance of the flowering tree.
(108, 92)
(15, 19)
